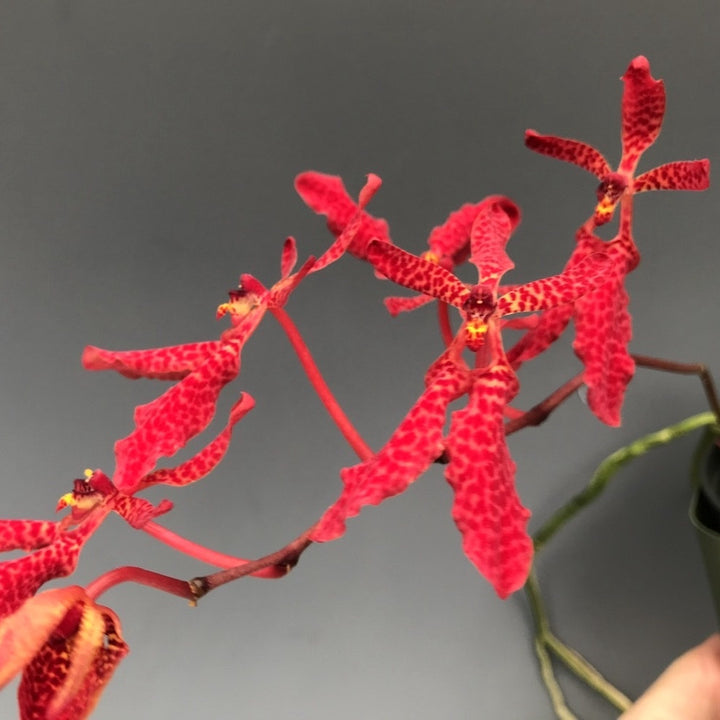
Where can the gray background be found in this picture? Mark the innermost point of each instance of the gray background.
(147, 153)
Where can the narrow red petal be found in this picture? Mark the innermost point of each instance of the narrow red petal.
(289, 257)
(27, 534)
(449, 243)
(137, 511)
(572, 151)
(486, 509)
(166, 424)
(680, 175)
(491, 230)
(643, 109)
(535, 341)
(167, 363)
(409, 452)
(281, 290)
(397, 305)
(416, 273)
(326, 195)
(204, 462)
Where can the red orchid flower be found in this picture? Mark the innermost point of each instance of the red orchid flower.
(486, 509)
(643, 108)
(449, 246)
(67, 648)
(165, 425)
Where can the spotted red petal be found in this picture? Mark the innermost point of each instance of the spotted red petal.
(680, 175)
(486, 508)
(281, 290)
(643, 109)
(289, 257)
(326, 195)
(22, 577)
(416, 443)
(351, 230)
(137, 511)
(416, 273)
(495, 221)
(165, 425)
(397, 305)
(167, 363)
(27, 534)
(572, 151)
(449, 243)
(205, 461)
(578, 279)
(535, 341)
(52, 679)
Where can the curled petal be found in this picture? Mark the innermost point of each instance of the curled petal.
(572, 151)
(680, 175)
(409, 452)
(326, 195)
(168, 363)
(643, 109)
(416, 273)
(166, 424)
(52, 680)
(494, 223)
(450, 242)
(204, 462)
(397, 305)
(281, 290)
(578, 279)
(27, 534)
(26, 630)
(486, 508)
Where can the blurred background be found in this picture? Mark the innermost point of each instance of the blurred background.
(147, 157)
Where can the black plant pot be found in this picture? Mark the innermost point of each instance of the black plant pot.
(705, 516)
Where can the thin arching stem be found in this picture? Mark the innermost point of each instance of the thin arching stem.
(361, 448)
(128, 573)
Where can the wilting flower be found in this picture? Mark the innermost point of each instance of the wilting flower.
(486, 508)
(643, 108)
(67, 648)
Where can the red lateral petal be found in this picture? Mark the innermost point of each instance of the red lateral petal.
(486, 509)
(578, 279)
(450, 242)
(347, 236)
(22, 577)
(26, 630)
(602, 332)
(281, 290)
(166, 424)
(289, 257)
(27, 534)
(643, 109)
(549, 327)
(326, 195)
(416, 273)
(397, 305)
(489, 235)
(168, 363)
(409, 452)
(47, 673)
(680, 175)
(137, 511)
(204, 462)
(572, 151)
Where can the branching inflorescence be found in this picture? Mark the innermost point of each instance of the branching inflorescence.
(66, 646)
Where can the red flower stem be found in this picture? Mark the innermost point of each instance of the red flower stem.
(685, 369)
(444, 319)
(540, 412)
(286, 558)
(361, 448)
(128, 573)
(202, 553)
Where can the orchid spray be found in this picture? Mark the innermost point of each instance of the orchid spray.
(65, 645)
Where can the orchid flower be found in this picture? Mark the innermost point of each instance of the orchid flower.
(643, 108)
(486, 509)
(67, 648)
